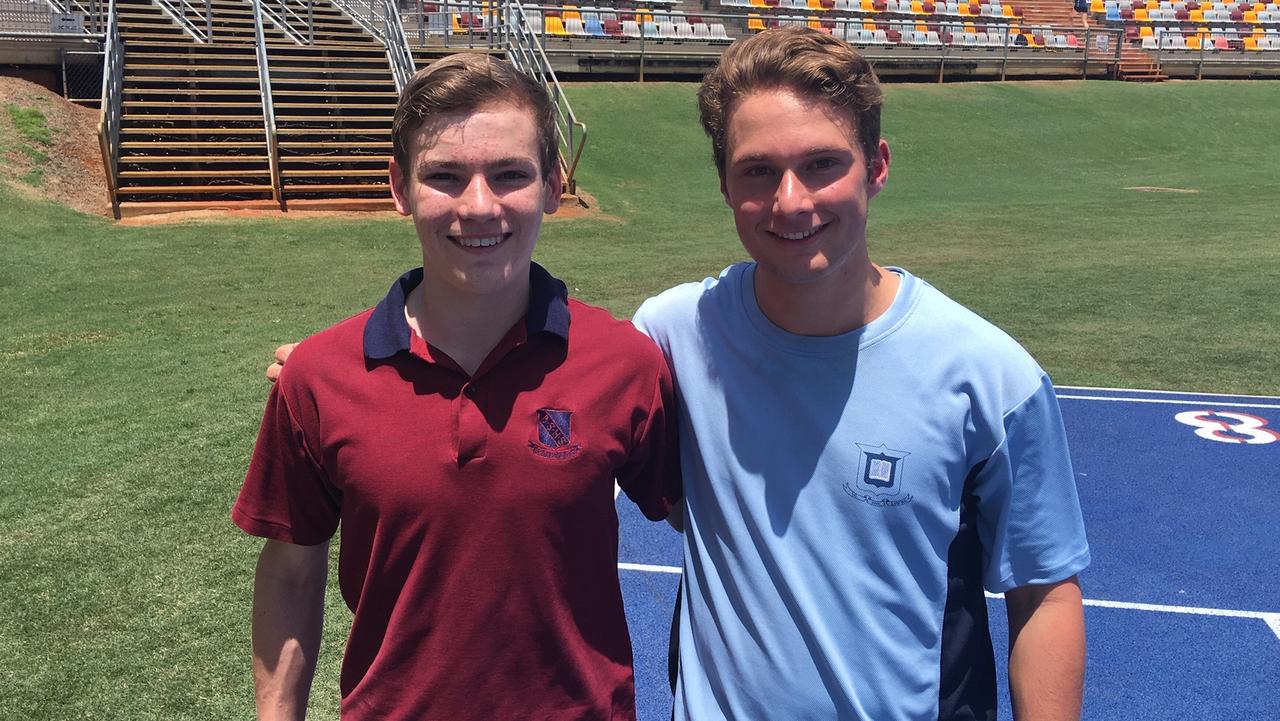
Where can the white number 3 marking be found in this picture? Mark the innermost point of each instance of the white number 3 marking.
(1229, 427)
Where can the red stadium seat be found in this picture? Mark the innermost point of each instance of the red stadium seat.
(1181, 14)
(893, 35)
(1193, 5)
(1221, 44)
(928, 7)
(827, 4)
(613, 27)
(1237, 16)
(879, 5)
(1126, 13)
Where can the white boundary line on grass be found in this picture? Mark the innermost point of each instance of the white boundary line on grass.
(1167, 393)
(1171, 401)
(1272, 619)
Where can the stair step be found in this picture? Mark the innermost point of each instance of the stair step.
(333, 131)
(201, 117)
(191, 189)
(330, 188)
(193, 144)
(192, 131)
(331, 144)
(336, 159)
(300, 173)
(142, 159)
(136, 174)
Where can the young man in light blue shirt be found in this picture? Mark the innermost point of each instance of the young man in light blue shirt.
(861, 455)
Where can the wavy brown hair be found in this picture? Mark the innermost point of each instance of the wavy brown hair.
(462, 83)
(809, 63)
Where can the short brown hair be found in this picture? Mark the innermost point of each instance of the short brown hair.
(462, 83)
(807, 62)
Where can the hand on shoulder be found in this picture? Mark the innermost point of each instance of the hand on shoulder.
(282, 355)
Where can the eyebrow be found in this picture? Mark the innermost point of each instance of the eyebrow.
(757, 157)
(455, 165)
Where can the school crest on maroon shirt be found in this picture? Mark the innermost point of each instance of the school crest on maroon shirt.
(555, 435)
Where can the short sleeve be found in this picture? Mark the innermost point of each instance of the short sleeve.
(286, 496)
(651, 475)
(1029, 514)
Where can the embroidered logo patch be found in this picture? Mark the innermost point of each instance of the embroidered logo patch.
(880, 480)
(555, 435)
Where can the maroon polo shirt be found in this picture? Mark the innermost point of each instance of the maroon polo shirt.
(479, 539)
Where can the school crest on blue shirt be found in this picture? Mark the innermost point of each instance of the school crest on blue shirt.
(881, 476)
(555, 435)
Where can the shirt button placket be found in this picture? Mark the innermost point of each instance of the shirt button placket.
(472, 430)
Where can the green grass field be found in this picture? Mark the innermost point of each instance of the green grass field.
(131, 357)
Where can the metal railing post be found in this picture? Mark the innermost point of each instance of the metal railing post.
(1084, 67)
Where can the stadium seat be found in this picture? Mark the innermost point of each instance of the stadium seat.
(755, 22)
(1073, 41)
(613, 28)
(630, 28)
(595, 28)
(555, 26)
(718, 32)
(1220, 43)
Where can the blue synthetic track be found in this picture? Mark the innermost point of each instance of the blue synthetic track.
(1183, 596)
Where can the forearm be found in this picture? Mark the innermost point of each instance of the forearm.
(1047, 653)
(288, 616)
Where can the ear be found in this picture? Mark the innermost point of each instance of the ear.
(399, 188)
(878, 170)
(551, 190)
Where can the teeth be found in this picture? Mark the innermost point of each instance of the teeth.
(480, 242)
(799, 236)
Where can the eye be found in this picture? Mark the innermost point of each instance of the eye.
(757, 171)
(439, 177)
(824, 163)
(514, 176)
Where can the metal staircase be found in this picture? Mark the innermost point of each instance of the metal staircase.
(263, 103)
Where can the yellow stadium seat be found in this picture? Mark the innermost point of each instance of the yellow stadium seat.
(1007, 11)
(922, 28)
(555, 26)
(1141, 15)
(1193, 42)
(1197, 16)
(571, 13)
(815, 23)
(963, 8)
(1097, 6)
(869, 26)
(755, 22)
(1146, 32)
(455, 21)
(970, 28)
(759, 4)
(917, 7)
(1251, 43)
(1251, 17)
(868, 6)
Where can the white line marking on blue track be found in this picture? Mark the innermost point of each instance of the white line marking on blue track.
(1170, 401)
(1271, 618)
(1274, 623)
(650, 569)
(1167, 393)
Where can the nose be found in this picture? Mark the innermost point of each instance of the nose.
(478, 200)
(792, 196)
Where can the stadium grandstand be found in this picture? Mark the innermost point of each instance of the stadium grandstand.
(280, 103)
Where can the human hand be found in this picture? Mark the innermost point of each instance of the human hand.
(282, 354)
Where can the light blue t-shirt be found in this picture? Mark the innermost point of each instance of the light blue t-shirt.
(848, 498)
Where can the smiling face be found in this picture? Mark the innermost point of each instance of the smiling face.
(476, 193)
(798, 183)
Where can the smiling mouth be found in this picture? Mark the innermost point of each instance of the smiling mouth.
(479, 241)
(800, 234)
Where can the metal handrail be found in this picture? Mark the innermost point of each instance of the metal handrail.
(177, 9)
(525, 51)
(398, 53)
(368, 14)
(282, 21)
(112, 109)
(268, 106)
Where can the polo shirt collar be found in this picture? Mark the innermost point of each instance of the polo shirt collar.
(387, 332)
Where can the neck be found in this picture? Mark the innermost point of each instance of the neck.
(466, 327)
(830, 306)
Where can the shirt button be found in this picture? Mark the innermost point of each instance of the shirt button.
(469, 391)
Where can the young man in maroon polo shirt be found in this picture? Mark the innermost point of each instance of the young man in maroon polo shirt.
(465, 433)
